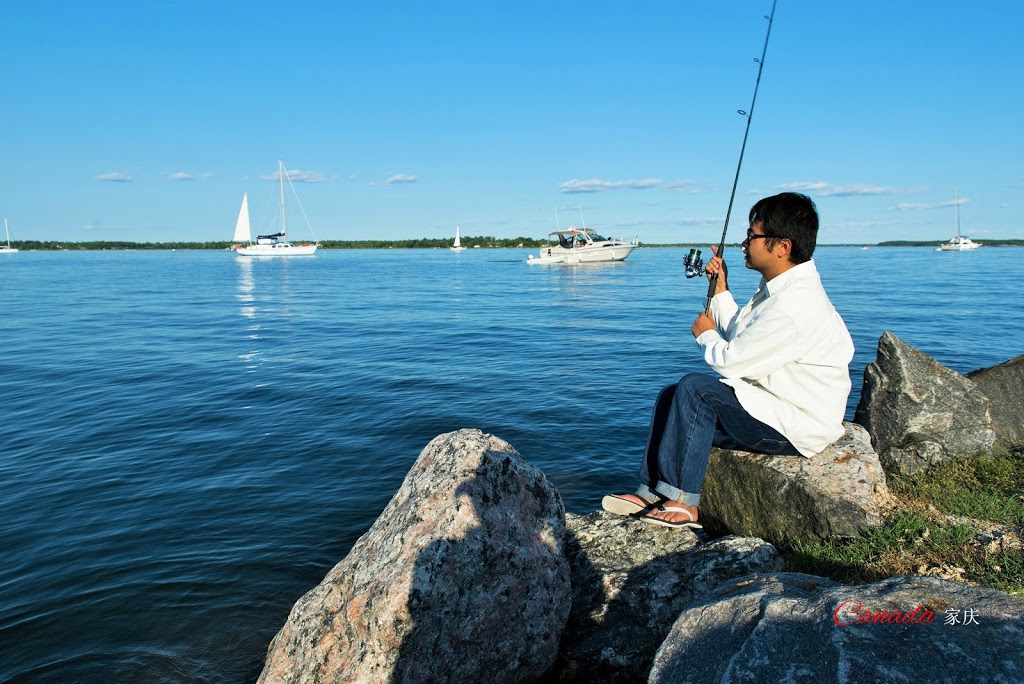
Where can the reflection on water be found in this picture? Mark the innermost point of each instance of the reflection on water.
(163, 510)
(266, 299)
(247, 309)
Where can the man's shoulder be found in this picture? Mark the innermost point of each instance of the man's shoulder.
(804, 298)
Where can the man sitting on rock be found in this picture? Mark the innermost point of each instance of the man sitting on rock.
(784, 360)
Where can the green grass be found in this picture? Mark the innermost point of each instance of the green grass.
(937, 528)
(987, 488)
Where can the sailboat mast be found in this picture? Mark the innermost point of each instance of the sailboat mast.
(280, 171)
(957, 203)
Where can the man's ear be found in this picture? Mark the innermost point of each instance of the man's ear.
(784, 247)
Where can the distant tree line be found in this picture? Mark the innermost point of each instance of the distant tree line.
(417, 243)
(484, 242)
(935, 243)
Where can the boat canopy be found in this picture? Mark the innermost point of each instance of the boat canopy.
(576, 236)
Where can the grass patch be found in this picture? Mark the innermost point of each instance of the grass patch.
(987, 488)
(962, 522)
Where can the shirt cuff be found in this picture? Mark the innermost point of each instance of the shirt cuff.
(707, 337)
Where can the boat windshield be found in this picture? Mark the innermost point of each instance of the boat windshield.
(569, 240)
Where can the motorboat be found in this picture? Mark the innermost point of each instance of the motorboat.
(582, 246)
(958, 243)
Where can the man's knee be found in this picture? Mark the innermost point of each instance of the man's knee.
(694, 384)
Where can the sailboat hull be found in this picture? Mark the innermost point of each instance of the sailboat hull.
(276, 250)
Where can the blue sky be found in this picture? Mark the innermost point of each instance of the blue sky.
(147, 121)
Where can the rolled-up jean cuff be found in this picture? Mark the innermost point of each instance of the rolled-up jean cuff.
(667, 490)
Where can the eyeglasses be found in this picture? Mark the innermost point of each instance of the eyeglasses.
(751, 235)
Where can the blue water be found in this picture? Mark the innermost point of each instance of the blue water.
(192, 440)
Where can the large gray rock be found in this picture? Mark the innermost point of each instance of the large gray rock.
(461, 579)
(920, 413)
(1004, 387)
(784, 629)
(839, 492)
(630, 580)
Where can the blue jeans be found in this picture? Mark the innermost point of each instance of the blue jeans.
(689, 417)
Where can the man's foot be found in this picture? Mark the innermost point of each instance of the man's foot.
(672, 514)
(626, 504)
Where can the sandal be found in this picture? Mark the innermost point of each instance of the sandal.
(627, 504)
(654, 517)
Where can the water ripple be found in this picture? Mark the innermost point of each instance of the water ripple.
(195, 439)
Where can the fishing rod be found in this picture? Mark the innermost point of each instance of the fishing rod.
(693, 263)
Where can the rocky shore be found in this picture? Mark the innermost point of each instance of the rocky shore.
(474, 572)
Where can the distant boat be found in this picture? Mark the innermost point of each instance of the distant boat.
(8, 249)
(958, 243)
(457, 245)
(275, 244)
(582, 246)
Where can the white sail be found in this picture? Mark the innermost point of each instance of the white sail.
(457, 245)
(242, 232)
(7, 249)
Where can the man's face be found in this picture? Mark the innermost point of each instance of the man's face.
(755, 250)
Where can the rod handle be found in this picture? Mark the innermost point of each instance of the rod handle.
(711, 291)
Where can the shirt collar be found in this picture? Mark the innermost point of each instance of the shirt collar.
(779, 282)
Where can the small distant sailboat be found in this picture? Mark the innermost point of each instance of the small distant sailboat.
(457, 245)
(7, 249)
(958, 243)
(267, 245)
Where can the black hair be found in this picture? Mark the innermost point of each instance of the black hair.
(792, 216)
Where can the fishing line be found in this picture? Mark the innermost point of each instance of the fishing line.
(693, 263)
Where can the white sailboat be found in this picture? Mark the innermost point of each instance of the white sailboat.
(958, 243)
(7, 249)
(457, 245)
(275, 244)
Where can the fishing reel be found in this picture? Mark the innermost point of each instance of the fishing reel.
(693, 264)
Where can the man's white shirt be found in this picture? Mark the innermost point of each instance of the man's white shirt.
(787, 356)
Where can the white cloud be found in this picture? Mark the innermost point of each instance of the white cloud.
(695, 222)
(297, 176)
(185, 176)
(687, 185)
(823, 189)
(597, 185)
(915, 206)
(396, 179)
(114, 177)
